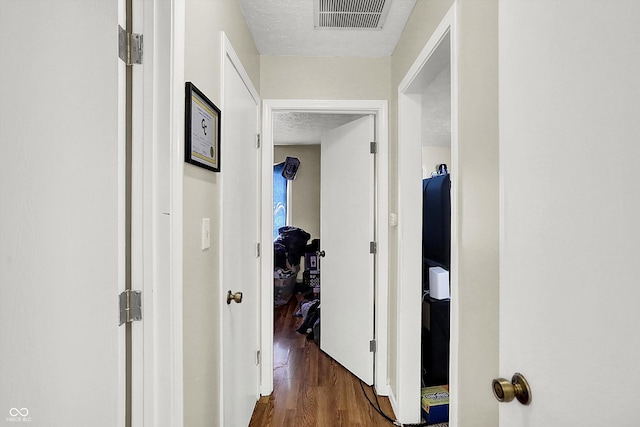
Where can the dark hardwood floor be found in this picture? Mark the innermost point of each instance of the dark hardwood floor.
(310, 388)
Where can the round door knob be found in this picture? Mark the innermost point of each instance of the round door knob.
(505, 390)
(237, 297)
(321, 254)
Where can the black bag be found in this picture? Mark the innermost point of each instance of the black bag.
(295, 240)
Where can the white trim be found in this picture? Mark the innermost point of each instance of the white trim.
(175, 416)
(163, 281)
(288, 219)
(141, 226)
(266, 266)
(380, 110)
(122, 367)
(454, 338)
(158, 221)
(227, 50)
(393, 401)
(407, 398)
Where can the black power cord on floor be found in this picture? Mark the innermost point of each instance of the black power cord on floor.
(379, 410)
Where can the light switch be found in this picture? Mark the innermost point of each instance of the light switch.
(206, 233)
(393, 219)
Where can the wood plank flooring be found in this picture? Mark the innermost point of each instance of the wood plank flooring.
(310, 388)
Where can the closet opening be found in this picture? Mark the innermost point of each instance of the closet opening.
(434, 88)
(427, 173)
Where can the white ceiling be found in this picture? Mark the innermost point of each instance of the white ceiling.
(286, 27)
(306, 128)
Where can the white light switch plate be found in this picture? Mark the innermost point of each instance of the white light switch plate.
(393, 219)
(206, 233)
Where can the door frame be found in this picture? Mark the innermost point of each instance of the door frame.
(406, 402)
(158, 194)
(379, 108)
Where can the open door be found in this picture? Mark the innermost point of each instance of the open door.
(569, 294)
(239, 237)
(61, 213)
(347, 232)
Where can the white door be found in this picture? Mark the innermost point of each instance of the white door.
(569, 154)
(240, 235)
(61, 214)
(346, 231)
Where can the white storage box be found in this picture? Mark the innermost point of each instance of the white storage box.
(283, 283)
(438, 283)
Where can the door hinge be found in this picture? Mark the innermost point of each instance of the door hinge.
(373, 346)
(129, 47)
(257, 250)
(130, 306)
(258, 355)
(373, 247)
(373, 147)
(258, 140)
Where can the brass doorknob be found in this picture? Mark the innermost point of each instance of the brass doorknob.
(237, 297)
(519, 388)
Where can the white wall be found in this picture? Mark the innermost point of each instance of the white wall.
(204, 22)
(436, 122)
(305, 189)
(479, 211)
(296, 77)
(433, 156)
(436, 111)
(477, 221)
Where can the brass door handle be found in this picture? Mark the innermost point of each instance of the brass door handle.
(237, 297)
(519, 388)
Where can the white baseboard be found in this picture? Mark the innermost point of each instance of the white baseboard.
(392, 400)
(383, 389)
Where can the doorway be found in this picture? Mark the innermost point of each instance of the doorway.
(347, 222)
(271, 108)
(427, 136)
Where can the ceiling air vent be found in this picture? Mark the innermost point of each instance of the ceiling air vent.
(350, 14)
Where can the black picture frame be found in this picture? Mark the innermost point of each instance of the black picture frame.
(202, 130)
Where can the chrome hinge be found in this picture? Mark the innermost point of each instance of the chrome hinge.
(129, 47)
(372, 346)
(258, 357)
(257, 250)
(373, 147)
(130, 306)
(257, 140)
(373, 247)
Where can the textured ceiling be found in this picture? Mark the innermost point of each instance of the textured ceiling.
(286, 27)
(306, 128)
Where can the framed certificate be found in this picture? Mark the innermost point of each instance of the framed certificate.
(202, 130)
